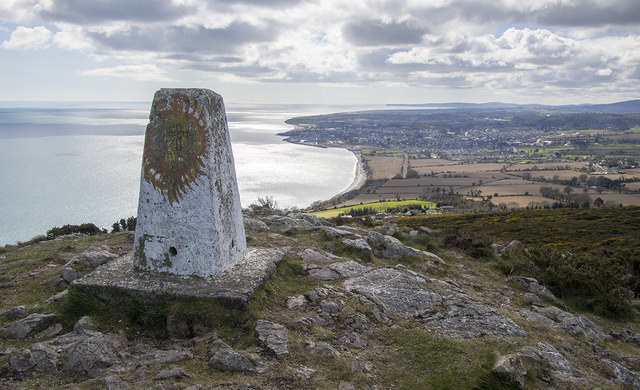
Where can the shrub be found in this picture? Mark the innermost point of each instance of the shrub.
(587, 280)
(86, 228)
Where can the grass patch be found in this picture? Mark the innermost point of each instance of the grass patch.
(378, 206)
(421, 360)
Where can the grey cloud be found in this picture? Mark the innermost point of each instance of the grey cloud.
(590, 14)
(636, 73)
(198, 58)
(376, 33)
(376, 61)
(88, 12)
(185, 40)
(240, 70)
(259, 3)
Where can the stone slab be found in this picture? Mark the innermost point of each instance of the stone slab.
(117, 281)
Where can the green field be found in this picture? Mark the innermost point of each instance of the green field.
(380, 206)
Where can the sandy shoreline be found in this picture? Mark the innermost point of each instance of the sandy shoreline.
(360, 175)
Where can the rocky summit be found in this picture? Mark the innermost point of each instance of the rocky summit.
(347, 307)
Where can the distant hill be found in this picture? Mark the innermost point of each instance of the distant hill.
(626, 107)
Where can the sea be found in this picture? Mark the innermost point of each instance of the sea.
(73, 163)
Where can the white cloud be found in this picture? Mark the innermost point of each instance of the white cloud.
(142, 72)
(25, 38)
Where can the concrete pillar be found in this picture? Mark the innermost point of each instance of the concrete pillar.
(189, 212)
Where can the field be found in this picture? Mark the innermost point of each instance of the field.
(380, 206)
(385, 167)
(505, 183)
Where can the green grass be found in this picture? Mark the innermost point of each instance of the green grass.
(380, 206)
(418, 359)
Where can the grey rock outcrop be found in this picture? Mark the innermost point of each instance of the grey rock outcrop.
(274, 337)
(114, 382)
(623, 375)
(83, 351)
(572, 324)
(409, 295)
(562, 371)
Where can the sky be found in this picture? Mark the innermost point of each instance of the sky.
(322, 51)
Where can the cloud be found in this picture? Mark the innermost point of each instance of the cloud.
(25, 38)
(90, 12)
(143, 72)
(182, 39)
(377, 33)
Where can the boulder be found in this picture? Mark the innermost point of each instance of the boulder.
(113, 382)
(530, 299)
(222, 357)
(273, 337)
(313, 256)
(255, 225)
(389, 247)
(33, 323)
(360, 245)
(332, 232)
(532, 285)
(512, 369)
(69, 275)
(92, 257)
(326, 350)
(623, 375)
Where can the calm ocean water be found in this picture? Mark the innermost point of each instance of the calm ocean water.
(81, 163)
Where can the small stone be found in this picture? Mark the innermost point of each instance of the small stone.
(173, 372)
(312, 256)
(274, 337)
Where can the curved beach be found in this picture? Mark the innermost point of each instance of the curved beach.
(360, 176)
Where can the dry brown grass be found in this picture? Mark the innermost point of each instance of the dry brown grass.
(385, 167)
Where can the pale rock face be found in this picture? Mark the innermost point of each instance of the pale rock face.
(189, 212)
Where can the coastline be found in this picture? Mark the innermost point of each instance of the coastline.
(360, 175)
